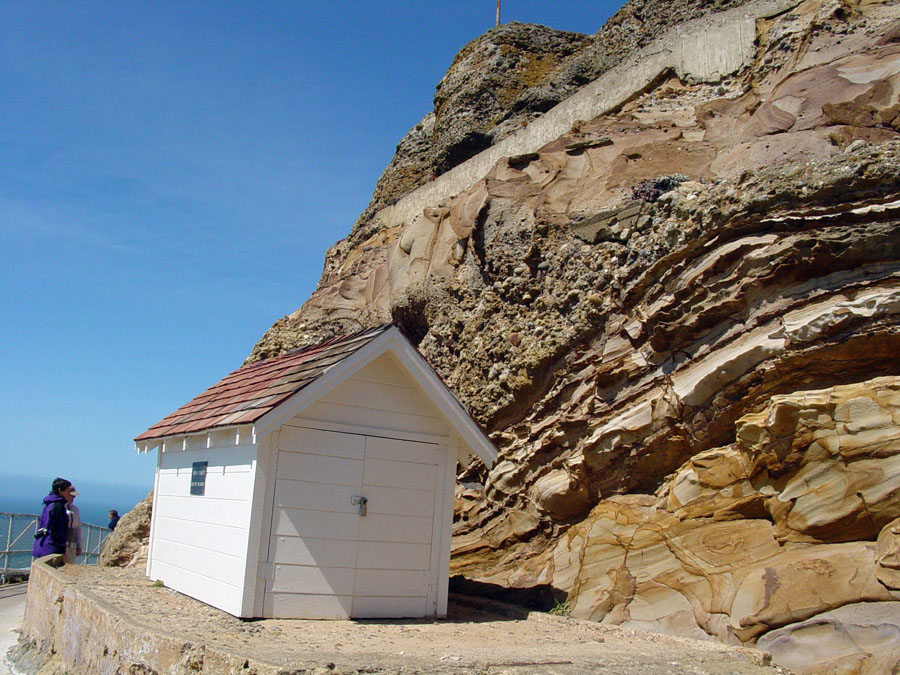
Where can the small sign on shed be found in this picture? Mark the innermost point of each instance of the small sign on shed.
(316, 484)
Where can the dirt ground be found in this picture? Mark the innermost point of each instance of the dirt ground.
(478, 636)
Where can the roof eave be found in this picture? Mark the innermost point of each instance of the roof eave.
(145, 445)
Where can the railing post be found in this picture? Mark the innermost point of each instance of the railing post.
(8, 537)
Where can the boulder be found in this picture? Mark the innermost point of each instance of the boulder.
(856, 638)
(888, 556)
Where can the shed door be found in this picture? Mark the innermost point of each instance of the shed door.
(328, 561)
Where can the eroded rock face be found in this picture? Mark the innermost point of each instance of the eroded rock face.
(768, 531)
(128, 544)
(693, 396)
(510, 75)
(762, 539)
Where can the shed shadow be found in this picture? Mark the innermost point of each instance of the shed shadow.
(479, 602)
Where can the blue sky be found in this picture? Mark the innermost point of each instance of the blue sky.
(171, 175)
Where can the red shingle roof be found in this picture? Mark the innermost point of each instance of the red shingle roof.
(253, 390)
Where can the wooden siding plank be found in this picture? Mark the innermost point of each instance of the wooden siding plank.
(379, 555)
(401, 451)
(385, 369)
(299, 494)
(393, 583)
(230, 540)
(310, 551)
(211, 591)
(319, 468)
(385, 421)
(219, 485)
(345, 428)
(399, 502)
(312, 579)
(385, 473)
(205, 510)
(216, 565)
(234, 457)
(388, 608)
(316, 524)
(360, 393)
(397, 529)
(215, 466)
(314, 441)
(305, 606)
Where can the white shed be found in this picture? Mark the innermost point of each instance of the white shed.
(316, 484)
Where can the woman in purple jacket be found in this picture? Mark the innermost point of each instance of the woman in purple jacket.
(53, 525)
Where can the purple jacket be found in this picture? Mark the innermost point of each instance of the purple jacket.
(53, 526)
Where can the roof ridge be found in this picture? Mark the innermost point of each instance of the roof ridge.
(330, 342)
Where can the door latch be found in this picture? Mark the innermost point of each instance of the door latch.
(361, 502)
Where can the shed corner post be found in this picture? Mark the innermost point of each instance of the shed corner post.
(153, 509)
(260, 524)
(449, 488)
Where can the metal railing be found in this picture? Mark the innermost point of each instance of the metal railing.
(17, 537)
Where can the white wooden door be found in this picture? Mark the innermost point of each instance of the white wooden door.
(397, 554)
(329, 561)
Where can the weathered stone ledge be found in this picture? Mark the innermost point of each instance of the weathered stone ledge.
(74, 631)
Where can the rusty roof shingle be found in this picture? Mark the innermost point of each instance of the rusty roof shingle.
(244, 396)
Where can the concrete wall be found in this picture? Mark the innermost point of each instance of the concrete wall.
(703, 50)
(73, 631)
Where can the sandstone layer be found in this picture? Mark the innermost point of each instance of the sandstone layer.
(680, 323)
(790, 532)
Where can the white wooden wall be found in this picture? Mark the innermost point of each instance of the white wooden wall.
(372, 436)
(200, 543)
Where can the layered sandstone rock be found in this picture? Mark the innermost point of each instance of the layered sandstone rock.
(679, 321)
(768, 531)
(790, 533)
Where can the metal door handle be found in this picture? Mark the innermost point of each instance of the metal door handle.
(361, 501)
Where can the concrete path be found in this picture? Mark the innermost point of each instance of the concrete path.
(12, 607)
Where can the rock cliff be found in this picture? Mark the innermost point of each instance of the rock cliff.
(679, 321)
(128, 544)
